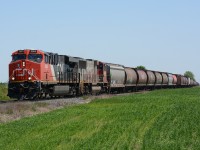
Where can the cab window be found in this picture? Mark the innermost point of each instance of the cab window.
(18, 57)
(35, 58)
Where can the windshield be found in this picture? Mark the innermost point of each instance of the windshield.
(35, 57)
(18, 57)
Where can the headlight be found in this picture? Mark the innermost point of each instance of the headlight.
(13, 78)
(29, 78)
(23, 64)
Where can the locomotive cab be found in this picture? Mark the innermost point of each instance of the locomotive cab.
(25, 65)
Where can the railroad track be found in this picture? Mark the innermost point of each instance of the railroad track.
(36, 100)
(7, 101)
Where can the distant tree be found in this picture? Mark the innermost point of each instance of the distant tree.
(141, 67)
(189, 74)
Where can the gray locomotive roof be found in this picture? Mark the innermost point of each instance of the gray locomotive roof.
(70, 58)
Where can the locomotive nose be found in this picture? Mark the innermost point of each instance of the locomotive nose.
(20, 64)
(21, 72)
(23, 64)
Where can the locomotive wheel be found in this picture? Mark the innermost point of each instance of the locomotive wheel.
(20, 98)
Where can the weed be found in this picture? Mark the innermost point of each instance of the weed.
(85, 97)
(41, 104)
(3, 91)
(9, 111)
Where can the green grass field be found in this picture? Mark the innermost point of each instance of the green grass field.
(161, 119)
(3, 91)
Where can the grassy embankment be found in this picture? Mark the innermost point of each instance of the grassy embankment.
(162, 119)
(3, 91)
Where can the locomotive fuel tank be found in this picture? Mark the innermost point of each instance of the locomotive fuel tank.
(96, 89)
(60, 90)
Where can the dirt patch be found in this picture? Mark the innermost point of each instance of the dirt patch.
(16, 110)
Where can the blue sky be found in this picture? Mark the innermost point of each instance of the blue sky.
(161, 35)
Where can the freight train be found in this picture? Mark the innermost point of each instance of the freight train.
(35, 74)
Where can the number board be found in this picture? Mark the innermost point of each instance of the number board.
(21, 51)
(33, 51)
